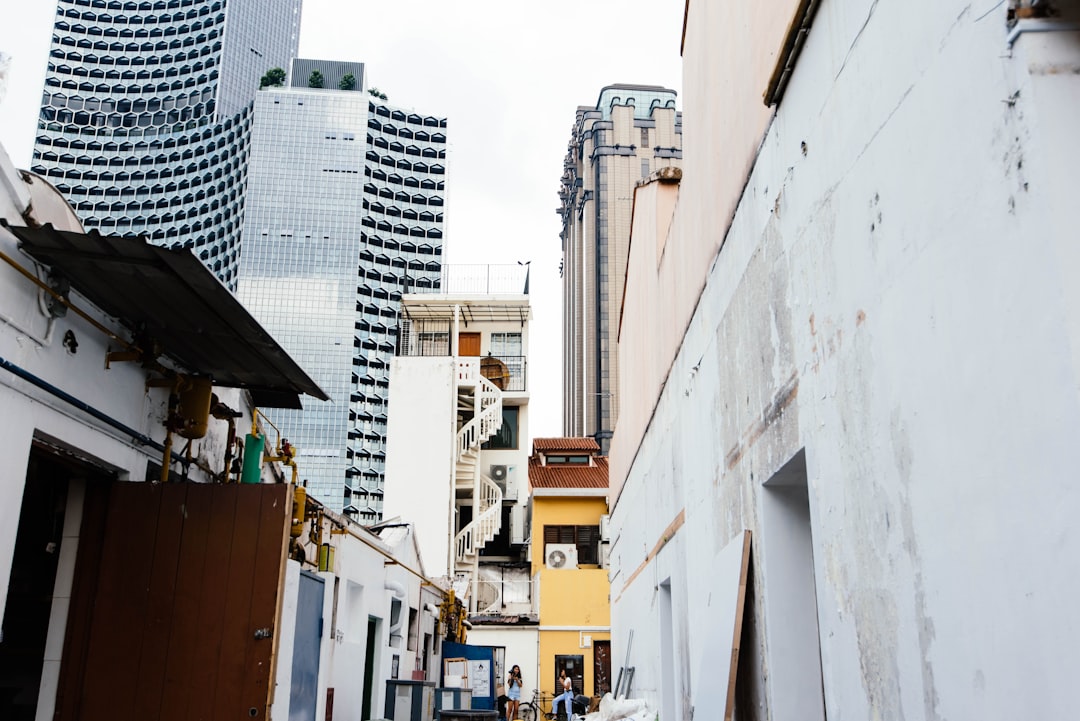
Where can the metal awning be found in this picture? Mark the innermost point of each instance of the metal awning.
(514, 310)
(170, 296)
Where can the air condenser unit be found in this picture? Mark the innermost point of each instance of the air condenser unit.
(498, 474)
(560, 555)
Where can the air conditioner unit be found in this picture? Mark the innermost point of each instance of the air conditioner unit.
(517, 524)
(498, 474)
(560, 555)
(604, 528)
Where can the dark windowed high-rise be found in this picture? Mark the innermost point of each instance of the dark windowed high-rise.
(146, 111)
(344, 213)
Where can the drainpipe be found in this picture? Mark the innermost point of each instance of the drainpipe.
(398, 590)
(451, 511)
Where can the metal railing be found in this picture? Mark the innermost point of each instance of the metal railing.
(504, 596)
(474, 279)
(431, 337)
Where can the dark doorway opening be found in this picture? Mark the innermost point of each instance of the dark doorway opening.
(369, 665)
(30, 590)
(575, 668)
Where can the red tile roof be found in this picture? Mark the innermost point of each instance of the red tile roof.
(564, 444)
(568, 475)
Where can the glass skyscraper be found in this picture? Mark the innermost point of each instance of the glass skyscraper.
(344, 213)
(146, 112)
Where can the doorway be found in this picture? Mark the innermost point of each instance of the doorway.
(574, 665)
(601, 667)
(29, 604)
(369, 665)
(468, 344)
(307, 647)
(791, 617)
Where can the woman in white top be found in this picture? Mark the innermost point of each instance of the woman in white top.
(567, 695)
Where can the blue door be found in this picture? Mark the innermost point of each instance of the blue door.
(305, 661)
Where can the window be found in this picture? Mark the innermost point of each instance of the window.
(566, 460)
(507, 436)
(505, 344)
(585, 538)
(644, 167)
(644, 137)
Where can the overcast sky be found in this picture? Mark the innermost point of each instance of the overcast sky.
(507, 75)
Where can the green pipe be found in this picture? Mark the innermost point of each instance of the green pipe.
(253, 459)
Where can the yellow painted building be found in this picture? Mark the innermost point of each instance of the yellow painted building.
(569, 483)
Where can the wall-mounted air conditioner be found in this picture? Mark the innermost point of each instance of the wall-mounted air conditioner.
(499, 474)
(517, 524)
(604, 525)
(560, 555)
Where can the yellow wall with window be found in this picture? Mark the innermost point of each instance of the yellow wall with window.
(574, 603)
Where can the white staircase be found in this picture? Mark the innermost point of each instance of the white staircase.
(478, 396)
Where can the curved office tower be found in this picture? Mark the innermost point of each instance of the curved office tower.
(146, 110)
(344, 213)
(401, 252)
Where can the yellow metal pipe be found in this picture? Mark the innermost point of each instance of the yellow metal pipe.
(45, 287)
(167, 460)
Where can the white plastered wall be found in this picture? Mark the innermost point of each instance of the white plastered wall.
(896, 300)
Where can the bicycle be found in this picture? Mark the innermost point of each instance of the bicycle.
(534, 709)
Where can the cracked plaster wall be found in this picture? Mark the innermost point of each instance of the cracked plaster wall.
(896, 294)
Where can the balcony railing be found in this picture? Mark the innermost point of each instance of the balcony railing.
(431, 337)
(495, 596)
(474, 279)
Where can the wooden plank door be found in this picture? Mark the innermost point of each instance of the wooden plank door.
(468, 344)
(185, 605)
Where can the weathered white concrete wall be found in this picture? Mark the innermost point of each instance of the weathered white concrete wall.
(896, 297)
(420, 439)
(33, 342)
(521, 646)
(361, 587)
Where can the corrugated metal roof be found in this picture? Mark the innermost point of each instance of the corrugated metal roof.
(547, 445)
(170, 297)
(568, 475)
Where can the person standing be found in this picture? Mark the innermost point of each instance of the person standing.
(513, 693)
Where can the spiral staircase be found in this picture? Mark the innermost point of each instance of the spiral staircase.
(480, 401)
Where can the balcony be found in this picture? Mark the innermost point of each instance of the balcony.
(505, 592)
(431, 337)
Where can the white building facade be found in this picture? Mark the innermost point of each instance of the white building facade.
(850, 328)
(124, 430)
(457, 456)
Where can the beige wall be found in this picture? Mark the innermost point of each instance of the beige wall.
(729, 52)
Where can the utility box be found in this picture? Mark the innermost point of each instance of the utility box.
(410, 700)
(452, 699)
